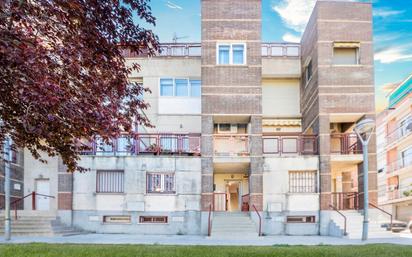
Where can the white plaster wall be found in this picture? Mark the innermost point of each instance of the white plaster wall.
(188, 184)
(276, 196)
(280, 67)
(178, 115)
(281, 98)
(34, 169)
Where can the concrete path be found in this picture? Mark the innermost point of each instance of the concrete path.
(201, 240)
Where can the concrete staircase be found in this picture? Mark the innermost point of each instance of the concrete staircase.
(38, 225)
(233, 225)
(354, 226)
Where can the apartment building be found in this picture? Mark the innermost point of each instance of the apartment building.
(245, 132)
(395, 149)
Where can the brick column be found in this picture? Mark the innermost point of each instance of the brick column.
(207, 162)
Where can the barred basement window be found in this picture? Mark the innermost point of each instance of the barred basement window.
(110, 181)
(117, 219)
(300, 219)
(302, 181)
(153, 219)
(162, 183)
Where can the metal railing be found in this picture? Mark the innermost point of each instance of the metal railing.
(344, 218)
(219, 202)
(292, 144)
(260, 220)
(345, 144)
(280, 50)
(405, 161)
(33, 201)
(345, 200)
(382, 210)
(245, 202)
(400, 131)
(146, 144)
(231, 145)
(195, 50)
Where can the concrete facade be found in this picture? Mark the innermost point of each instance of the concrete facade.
(259, 138)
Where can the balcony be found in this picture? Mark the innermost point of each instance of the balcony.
(402, 131)
(399, 165)
(184, 144)
(292, 144)
(231, 145)
(345, 144)
(397, 195)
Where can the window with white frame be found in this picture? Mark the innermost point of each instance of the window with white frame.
(180, 87)
(407, 157)
(110, 181)
(406, 126)
(231, 54)
(161, 183)
(302, 181)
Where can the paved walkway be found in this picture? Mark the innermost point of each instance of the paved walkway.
(201, 240)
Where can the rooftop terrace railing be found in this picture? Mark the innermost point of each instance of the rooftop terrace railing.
(195, 50)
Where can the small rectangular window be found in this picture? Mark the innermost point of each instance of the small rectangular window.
(195, 88)
(345, 56)
(238, 54)
(182, 87)
(308, 72)
(110, 181)
(166, 87)
(300, 219)
(117, 219)
(302, 181)
(161, 183)
(153, 219)
(224, 52)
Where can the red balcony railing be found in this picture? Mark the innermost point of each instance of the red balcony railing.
(345, 200)
(345, 144)
(146, 144)
(291, 144)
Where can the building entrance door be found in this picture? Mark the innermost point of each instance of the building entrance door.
(43, 188)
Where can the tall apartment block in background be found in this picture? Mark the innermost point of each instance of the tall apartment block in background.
(394, 140)
(245, 131)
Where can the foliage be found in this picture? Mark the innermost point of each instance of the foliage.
(63, 76)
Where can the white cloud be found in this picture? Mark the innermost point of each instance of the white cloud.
(393, 54)
(384, 12)
(173, 5)
(295, 13)
(288, 37)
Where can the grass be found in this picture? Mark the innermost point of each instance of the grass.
(66, 250)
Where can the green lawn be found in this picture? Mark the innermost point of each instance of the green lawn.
(46, 250)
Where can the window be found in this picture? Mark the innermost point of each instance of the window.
(162, 183)
(153, 219)
(231, 54)
(166, 87)
(180, 87)
(195, 90)
(302, 181)
(406, 126)
(238, 54)
(308, 72)
(117, 219)
(300, 219)
(110, 181)
(407, 157)
(345, 56)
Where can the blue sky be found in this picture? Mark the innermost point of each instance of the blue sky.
(284, 20)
